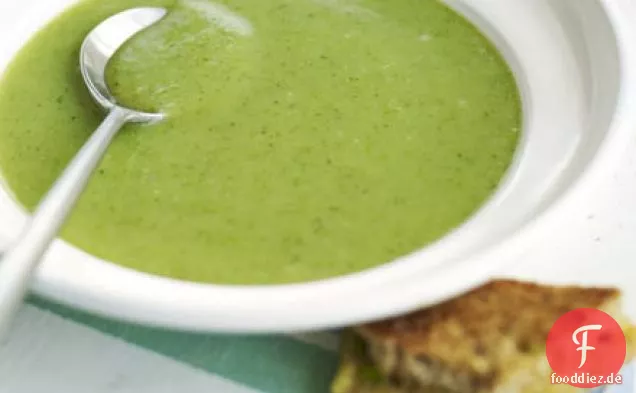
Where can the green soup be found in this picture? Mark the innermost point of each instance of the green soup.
(305, 139)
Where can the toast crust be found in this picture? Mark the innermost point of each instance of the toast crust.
(479, 341)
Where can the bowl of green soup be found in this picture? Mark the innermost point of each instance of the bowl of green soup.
(322, 162)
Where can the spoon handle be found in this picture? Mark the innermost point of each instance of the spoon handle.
(19, 263)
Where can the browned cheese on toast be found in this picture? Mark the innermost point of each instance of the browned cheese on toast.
(491, 339)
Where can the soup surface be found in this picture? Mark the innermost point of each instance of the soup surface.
(305, 139)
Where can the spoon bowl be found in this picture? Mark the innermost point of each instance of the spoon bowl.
(18, 265)
(101, 44)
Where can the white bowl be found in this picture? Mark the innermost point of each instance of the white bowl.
(575, 61)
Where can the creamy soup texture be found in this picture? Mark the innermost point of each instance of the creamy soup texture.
(305, 139)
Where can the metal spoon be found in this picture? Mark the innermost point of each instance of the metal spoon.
(18, 265)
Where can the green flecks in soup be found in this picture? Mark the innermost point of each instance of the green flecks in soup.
(305, 138)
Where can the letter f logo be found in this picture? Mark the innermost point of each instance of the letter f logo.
(583, 344)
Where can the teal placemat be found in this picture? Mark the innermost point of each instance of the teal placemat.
(270, 364)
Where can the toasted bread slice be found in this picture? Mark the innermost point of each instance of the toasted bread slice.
(490, 340)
